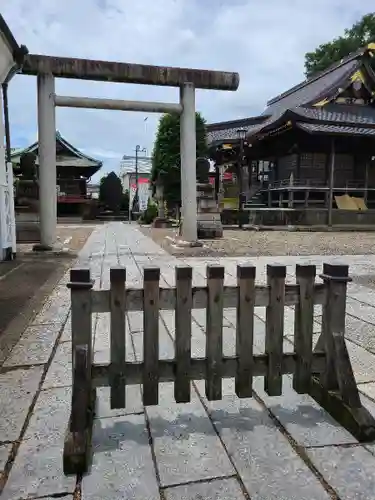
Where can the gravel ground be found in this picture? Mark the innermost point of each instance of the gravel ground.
(72, 237)
(258, 243)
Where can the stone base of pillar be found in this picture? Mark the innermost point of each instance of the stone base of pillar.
(161, 222)
(187, 244)
(209, 224)
(38, 247)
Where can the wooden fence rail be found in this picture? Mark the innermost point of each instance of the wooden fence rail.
(324, 372)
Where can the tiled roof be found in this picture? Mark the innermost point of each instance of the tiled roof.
(335, 129)
(317, 86)
(340, 113)
(227, 131)
(84, 160)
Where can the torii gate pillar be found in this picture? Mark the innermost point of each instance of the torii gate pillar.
(188, 149)
(47, 161)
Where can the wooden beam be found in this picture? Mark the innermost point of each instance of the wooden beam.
(331, 181)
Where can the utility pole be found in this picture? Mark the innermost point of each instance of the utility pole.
(138, 150)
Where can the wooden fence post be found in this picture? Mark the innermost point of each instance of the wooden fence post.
(245, 330)
(118, 336)
(77, 439)
(184, 301)
(273, 381)
(303, 328)
(336, 390)
(214, 333)
(333, 319)
(151, 335)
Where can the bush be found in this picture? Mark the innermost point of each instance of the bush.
(150, 214)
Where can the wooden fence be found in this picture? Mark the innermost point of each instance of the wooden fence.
(324, 372)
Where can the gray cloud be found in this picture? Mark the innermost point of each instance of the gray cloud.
(265, 41)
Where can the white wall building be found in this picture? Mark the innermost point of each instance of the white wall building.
(128, 178)
(11, 56)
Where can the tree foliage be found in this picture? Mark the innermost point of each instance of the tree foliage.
(358, 36)
(166, 159)
(110, 192)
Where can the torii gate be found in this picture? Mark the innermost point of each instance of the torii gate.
(47, 68)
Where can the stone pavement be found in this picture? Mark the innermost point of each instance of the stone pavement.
(260, 448)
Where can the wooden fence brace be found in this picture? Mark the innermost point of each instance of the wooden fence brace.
(183, 320)
(303, 328)
(336, 389)
(214, 332)
(118, 337)
(333, 318)
(245, 330)
(78, 435)
(151, 279)
(273, 381)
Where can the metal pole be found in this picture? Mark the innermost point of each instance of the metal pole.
(331, 182)
(188, 164)
(136, 169)
(240, 184)
(47, 162)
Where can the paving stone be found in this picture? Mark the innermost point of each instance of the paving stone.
(368, 389)
(55, 309)
(267, 464)
(17, 389)
(37, 472)
(67, 332)
(185, 443)
(133, 402)
(122, 461)
(360, 310)
(4, 455)
(360, 332)
(350, 471)
(302, 417)
(221, 489)
(50, 417)
(363, 362)
(59, 373)
(34, 347)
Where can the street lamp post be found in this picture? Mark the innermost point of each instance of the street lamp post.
(241, 134)
(138, 150)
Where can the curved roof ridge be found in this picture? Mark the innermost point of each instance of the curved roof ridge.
(319, 75)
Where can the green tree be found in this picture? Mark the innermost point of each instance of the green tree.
(358, 36)
(110, 192)
(166, 160)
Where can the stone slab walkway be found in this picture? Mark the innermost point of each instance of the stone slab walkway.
(261, 448)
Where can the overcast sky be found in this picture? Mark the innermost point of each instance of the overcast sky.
(264, 40)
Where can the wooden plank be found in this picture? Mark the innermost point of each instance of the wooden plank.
(183, 333)
(275, 329)
(245, 330)
(151, 277)
(214, 333)
(303, 328)
(81, 317)
(118, 337)
(81, 390)
(333, 319)
(198, 368)
(345, 376)
(167, 297)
